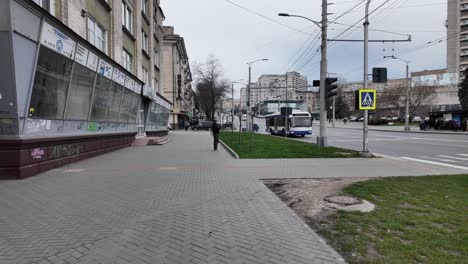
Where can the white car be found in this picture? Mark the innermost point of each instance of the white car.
(417, 119)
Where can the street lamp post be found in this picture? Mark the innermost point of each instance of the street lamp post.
(322, 139)
(249, 107)
(407, 92)
(232, 104)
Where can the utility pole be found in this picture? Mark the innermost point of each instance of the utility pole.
(408, 97)
(322, 139)
(232, 109)
(333, 121)
(365, 147)
(287, 111)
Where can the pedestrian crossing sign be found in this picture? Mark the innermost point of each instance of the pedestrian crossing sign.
(367, 99)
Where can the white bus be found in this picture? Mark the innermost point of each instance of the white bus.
(297, 124)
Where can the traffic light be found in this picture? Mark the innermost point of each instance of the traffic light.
(331, 87)
(379, 75)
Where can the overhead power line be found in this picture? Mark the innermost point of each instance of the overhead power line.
(265, 17)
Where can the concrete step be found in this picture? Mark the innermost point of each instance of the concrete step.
(158, 141)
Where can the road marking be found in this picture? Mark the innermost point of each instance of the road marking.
(450, 157)
(446, 160)
(167, 168)
(73, 170)
(436, 163)
(464, 155)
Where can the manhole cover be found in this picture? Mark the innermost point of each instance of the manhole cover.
(343, 200)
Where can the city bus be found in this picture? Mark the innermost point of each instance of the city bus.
(297, 124)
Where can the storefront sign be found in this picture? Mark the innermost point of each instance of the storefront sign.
(81, 55)
(118, 77)
(92, 62)
(105, 69)
(57, 41)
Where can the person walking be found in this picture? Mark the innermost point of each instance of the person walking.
(187, 125)
(215, 133)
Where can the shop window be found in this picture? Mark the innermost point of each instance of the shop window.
(125, 106)
(50, 85)
(115, 96)
(80, 93)
(135, 108)
(101, 95)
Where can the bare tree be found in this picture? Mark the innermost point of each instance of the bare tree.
(420, 96)
(210, 87)
(395, 97)
(392, 97)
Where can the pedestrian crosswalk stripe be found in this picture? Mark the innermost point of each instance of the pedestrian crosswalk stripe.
(445, 160)
(435, 163)
(464, 155)
(450, 157)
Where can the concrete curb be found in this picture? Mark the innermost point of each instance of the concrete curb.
(232, 152)
(412, 132)
(306, 227)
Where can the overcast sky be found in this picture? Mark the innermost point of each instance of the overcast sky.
(237, 36)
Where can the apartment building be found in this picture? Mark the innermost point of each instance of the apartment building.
(128, 31)
(80, 78)
(275, 87)
(177, 78)
(457, 36)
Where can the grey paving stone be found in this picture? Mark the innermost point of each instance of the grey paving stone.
(127, 207)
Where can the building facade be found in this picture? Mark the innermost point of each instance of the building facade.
(275, 87)
(457, 36)
(177, 78)
(128, 31)
(68, 92)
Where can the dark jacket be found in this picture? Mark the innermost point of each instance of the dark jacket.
(215, 128)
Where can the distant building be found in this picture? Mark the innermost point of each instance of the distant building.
(275, 87)
(457, 44)
(177, 78)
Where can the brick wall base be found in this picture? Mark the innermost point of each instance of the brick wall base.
(26, 157)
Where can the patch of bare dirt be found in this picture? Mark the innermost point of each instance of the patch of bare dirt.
(306, 196)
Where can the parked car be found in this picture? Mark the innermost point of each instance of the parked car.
(203, 125)
(417, 119)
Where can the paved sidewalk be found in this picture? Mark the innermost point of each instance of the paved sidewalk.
(177, 203)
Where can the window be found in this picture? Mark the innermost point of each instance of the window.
(144, 75)
(101, 93)
(156, 85)
(44, 4)
(135, 108)
(127, 60)
(80, 93)
(127, 19)
(156, 58)
(115, 96)
(144, 41)
(144, 4)
(50, 85)
(125, 106)
(97, 35)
